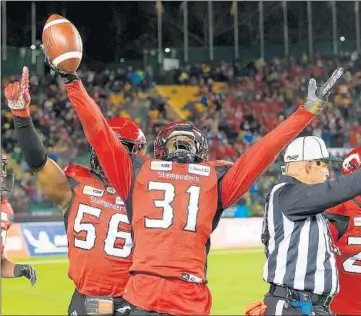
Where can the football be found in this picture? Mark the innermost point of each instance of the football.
(62, 43)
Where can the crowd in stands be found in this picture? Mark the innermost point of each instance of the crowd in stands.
(250, 100)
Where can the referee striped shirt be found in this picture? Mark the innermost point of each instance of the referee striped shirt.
(298, 244)
(299, 253)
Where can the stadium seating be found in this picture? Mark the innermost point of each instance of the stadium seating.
(178, 97)
(181, 98)
(233, 114)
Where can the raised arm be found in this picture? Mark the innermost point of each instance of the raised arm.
(50, 176)
(300, 201)
(256, 159)
(112, 156)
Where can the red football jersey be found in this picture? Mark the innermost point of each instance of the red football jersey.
(181, 202)
(171, 211)
(346, 218)
(99, 237)
(7, 216)
(172, 225)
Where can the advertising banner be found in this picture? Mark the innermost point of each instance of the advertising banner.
(45, 239)
(237, 233)
(15, 246)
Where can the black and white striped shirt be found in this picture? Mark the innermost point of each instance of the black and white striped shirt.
(298, 244)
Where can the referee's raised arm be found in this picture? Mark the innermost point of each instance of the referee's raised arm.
(301, 200)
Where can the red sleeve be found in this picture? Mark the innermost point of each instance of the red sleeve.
(112, 156)
(256, 159)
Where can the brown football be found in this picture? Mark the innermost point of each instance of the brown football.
(62, 43)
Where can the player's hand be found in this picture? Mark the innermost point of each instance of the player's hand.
(68, 77)
(317, 97)
(17, 95)
(24, 270)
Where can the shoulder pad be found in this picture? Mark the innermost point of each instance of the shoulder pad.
(138, 157)
(76, 171)
(220, 163)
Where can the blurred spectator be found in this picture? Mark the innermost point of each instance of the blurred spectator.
(237, 105)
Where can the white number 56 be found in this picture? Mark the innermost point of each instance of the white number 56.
(113, 232)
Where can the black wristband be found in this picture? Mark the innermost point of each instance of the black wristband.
(17, 270)
(69, 77)
(29, 142)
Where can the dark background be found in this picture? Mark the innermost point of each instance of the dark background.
(123, 29)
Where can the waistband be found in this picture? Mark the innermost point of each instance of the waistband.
(291, 294)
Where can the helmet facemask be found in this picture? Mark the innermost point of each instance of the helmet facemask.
(181, 143)
(182, 148)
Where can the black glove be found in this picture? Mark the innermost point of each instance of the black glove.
(24, 270)
(68, 77)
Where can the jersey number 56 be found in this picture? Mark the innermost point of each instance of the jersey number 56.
(112, 236)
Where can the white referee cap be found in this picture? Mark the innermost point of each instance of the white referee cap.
(308, 148)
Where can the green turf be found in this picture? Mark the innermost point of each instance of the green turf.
(234, 278)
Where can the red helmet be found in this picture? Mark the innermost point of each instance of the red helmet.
(7, 180)
(130, 135)
(185, 152)
(352, 161)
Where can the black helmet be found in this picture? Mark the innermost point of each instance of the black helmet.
(193, 151)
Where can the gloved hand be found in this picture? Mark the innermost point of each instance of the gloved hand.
(317, 97)
(68, 77)
(18, 96)
(24, 270)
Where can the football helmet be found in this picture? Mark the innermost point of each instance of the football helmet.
(7, 179)
(181, 142)
(129, 134)
(352, 161)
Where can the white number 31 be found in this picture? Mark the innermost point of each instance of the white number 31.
(168, 212)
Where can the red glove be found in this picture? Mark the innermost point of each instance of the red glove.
(18, 96)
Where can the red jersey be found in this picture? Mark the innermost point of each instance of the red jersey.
(345, 224)
(7, 217)
(174, 207)
(99, 237)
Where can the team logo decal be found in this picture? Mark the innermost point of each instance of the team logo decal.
(161, 165)
(89, 190)
(199, 170)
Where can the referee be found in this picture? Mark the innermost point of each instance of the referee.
(300, 264)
